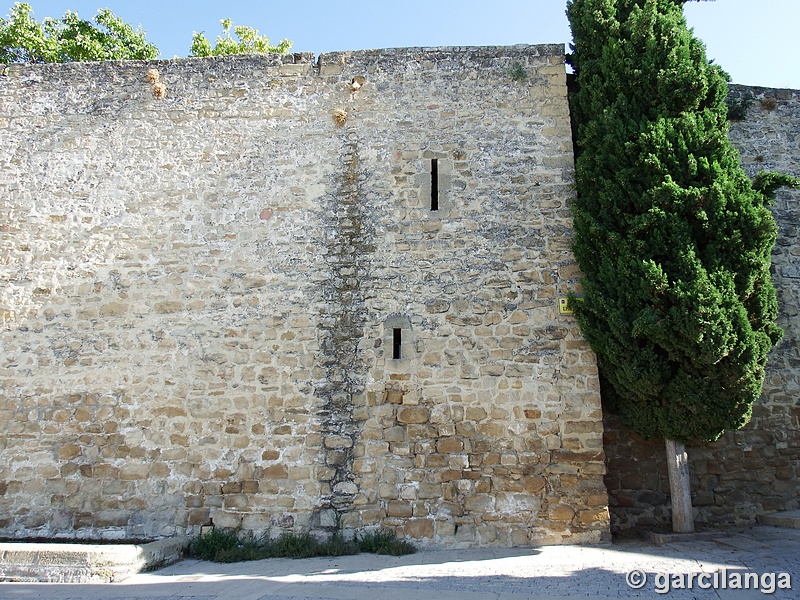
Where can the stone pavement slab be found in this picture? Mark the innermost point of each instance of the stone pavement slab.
(548, 572)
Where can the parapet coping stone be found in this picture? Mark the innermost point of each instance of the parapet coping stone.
(85, 563)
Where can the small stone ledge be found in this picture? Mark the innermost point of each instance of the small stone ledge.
(85, 563)
(789, 519)
(661, 539)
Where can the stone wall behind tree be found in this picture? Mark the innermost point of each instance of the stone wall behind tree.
(226, 297)
(756, 469)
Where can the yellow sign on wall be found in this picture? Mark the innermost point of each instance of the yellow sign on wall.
(564, 307)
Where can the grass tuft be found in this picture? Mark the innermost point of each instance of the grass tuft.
(208, 545)
(384, 542)
(230, 545)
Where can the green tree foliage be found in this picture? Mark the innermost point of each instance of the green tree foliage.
(249, 42)
(673, 239)
(23, 39)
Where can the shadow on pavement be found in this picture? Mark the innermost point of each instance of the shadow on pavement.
(552, 571)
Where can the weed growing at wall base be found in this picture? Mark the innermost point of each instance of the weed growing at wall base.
(230, 545)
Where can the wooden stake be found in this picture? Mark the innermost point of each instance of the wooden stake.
(679, 487)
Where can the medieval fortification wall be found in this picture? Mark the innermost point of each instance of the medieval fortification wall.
(290, 295)
(284, 294)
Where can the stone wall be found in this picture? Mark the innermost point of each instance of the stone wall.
(757, 469)
(226, 297)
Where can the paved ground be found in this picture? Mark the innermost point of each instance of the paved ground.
(487, 574)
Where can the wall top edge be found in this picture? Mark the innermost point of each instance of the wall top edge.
(439, 51)
(760, 90)
(464, 53)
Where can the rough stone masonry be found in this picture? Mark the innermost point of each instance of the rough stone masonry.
(294, 295)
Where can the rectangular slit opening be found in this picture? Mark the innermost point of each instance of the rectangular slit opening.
(397, 342)
(434, 184)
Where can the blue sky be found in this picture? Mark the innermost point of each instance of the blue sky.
(756, 41)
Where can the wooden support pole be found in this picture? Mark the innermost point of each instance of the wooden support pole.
(679, 487)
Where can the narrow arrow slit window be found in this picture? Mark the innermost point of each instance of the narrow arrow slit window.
(434, 184)
(397, 343)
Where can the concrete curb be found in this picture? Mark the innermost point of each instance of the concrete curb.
(85, 563)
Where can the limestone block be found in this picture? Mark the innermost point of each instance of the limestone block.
(399, 509)
(345, 487)
(167, 306)
(429, 491)
(199, 516)
(534, 484)
(395, 434)
(418, 528)
(251, 487)
(225, 519)
(592, 516)
(476, 413)
(479, 504)
(133, 471)
(338, 442)
(449, 445)
(278, 471)
(560, 512)
(69, 452)
(408, 415)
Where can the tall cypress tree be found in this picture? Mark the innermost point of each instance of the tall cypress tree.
(673, 239)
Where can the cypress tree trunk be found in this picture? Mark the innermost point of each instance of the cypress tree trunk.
(679, 488)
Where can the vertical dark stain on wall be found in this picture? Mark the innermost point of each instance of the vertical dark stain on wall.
(348, 230)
